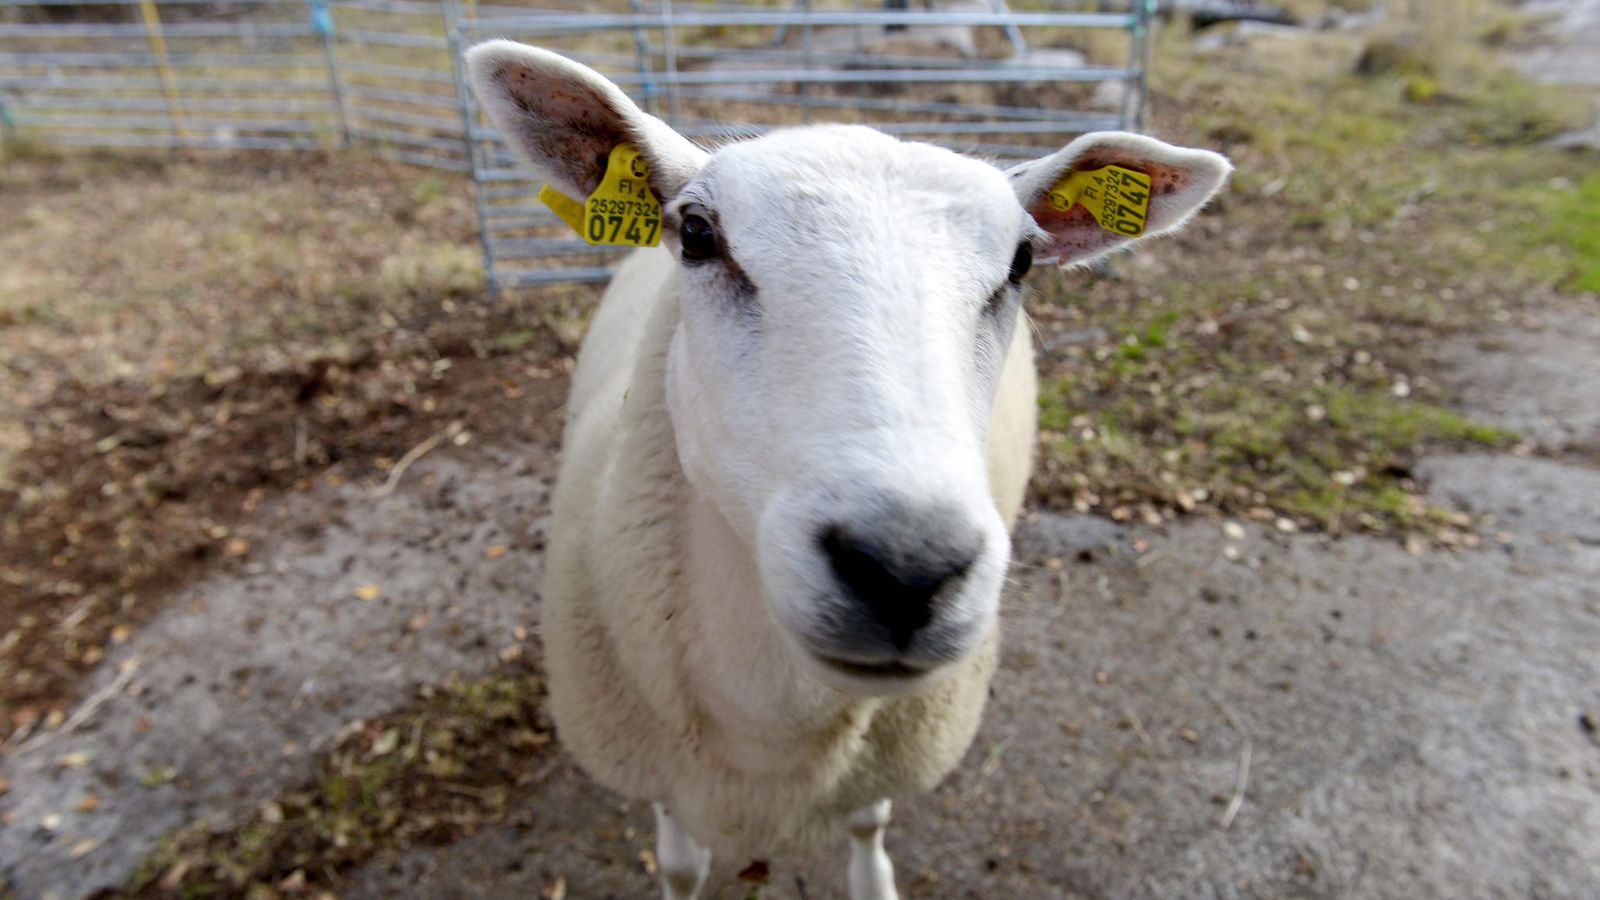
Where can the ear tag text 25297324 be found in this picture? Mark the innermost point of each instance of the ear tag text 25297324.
(622, 211)
(1118, 198)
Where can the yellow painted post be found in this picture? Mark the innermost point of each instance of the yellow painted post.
(169, 83)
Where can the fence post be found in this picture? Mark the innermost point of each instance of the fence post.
(641, 50)
(322, 24)
(464, 103)
(669, 43)
(1146, 18)
(169, 83)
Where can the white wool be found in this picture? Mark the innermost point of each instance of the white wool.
(845, 343)
(627, 643)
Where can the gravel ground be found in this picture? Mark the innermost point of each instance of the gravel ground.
(253, 670)
(1414, 722)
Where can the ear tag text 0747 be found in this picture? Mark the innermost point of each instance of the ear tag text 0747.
(1118, 198)
(621, 212)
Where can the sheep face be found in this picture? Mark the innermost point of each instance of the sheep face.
(846, 303)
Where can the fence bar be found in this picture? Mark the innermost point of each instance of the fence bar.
(158, 50)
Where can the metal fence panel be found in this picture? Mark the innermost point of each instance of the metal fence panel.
(387, 74)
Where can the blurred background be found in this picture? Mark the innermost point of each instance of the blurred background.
(1306, 600)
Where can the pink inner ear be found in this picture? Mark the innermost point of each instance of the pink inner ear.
(1075, 232)
(566, 123)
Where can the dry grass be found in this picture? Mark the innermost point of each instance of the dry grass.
(179, 338)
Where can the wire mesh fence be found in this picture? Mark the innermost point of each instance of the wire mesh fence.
(1007, 81)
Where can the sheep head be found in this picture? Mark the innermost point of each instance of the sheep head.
(847, 302)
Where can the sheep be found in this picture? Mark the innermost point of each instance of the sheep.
(799, 433)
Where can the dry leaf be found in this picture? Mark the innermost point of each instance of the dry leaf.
(368, 592)
(89, 803)
(386, 742)
(495, 552)
(174, 876)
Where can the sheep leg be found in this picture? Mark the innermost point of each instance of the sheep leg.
(871, 873)
(683, 862)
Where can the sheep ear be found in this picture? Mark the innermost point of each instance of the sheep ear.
(1181, 181)
(564, 118)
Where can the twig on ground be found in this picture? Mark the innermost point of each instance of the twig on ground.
(1242, 776)
(411, 456)
(89, 707)
(1138, 728)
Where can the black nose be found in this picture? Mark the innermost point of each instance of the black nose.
(894, 566)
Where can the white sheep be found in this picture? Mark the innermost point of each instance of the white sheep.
(798, 435)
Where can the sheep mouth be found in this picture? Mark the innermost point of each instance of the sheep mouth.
(892, 670)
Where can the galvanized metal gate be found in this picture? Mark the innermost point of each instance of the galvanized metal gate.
(976, 75)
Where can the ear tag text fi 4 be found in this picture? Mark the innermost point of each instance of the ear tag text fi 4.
(621, 212)
(1118, 198)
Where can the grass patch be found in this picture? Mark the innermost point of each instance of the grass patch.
(1569, 217)
(427, 774)
(1275, 359)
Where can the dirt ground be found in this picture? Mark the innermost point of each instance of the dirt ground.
(1204, 707)
(1416, 724)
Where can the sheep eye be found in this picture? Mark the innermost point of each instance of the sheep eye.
(1021, 263)
(698, 238)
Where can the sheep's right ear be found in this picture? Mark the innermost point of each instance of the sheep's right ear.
(564, 118)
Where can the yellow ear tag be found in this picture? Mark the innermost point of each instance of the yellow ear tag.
(622, 211)
(1118, 198)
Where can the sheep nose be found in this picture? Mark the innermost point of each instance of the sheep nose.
(895, 567)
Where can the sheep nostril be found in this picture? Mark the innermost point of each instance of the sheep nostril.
(896, 580)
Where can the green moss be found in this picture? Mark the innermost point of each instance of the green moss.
(1053, 399)
(1330, 456)
(1570, 218)
(381, 786)
(1502, 108)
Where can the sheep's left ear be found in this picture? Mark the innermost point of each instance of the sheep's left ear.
(1181, 181)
